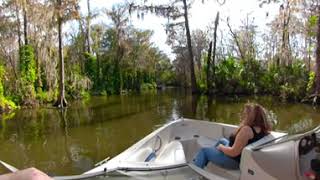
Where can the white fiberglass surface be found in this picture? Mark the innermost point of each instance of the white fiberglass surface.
(176, 174)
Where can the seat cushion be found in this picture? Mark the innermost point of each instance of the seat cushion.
(141, 155)
(206, 142)
(172, 153)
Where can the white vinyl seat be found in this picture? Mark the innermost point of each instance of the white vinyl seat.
(172, 153)
(141, 155)
(206, 142)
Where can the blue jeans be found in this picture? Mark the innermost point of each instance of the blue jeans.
(215, 156)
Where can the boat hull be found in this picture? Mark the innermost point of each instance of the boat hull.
(175, 144)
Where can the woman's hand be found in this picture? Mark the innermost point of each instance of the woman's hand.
(220, 147)
(31, 174)
(26, 174)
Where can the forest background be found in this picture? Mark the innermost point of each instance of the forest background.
(44, 60)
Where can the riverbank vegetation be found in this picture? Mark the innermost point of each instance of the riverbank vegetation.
(42, 61)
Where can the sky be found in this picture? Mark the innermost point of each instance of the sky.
(201, 15)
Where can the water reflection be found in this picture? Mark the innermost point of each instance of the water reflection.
(72, 141)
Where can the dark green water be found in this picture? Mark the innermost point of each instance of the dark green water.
(71, 142)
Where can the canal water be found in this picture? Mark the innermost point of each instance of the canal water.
(72, 141)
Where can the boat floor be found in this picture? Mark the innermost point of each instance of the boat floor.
(211, 167)
(227, 173)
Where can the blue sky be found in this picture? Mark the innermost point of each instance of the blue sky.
(201, 15)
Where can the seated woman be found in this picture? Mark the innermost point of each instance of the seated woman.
(227, 153)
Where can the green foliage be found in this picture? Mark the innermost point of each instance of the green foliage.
(167, 77)
(227, 75)
(147, 87)
(128, 64)
(85, 95)
(202, 77)
(251, 74)
(91, 66)
(77, 85)
(310, 86)
(202, 86)
(312, 22)
(124, 59)
(251, 77)
(269, 79)
(2, 73)
(290, 81)
(6, 105)
(165, 71)
(46, 96)
(27, 65)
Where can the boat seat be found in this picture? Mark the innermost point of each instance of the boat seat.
(265, 139)
(141, 155)
(206, 141)
(172, 153)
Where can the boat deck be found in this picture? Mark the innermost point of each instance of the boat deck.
(227, 173)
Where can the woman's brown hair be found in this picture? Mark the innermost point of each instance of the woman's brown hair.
(255, 115)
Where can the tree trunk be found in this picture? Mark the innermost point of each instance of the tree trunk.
(25, 25)
(209, 83)
(286, 58)
(19, 43)
(235, 37)
(305, 52)
(38, 69)
(185, 85)
(283, 45)
(317, 68)
(216, 23)
(120, 69)
(83, 46)
(98, 71)
(192, 73)
(13, 68)
(18, 27)
(309, 54)
(88, 27)
(118, 59)
(61, 102)
(194, 104)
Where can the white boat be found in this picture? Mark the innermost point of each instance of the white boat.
(167, 153)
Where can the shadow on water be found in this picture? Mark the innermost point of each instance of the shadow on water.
(71, 141)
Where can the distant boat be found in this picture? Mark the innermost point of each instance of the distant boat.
(167, 153)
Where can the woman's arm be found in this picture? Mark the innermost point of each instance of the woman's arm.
(240, 142)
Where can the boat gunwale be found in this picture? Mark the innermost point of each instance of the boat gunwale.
(159, 168)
